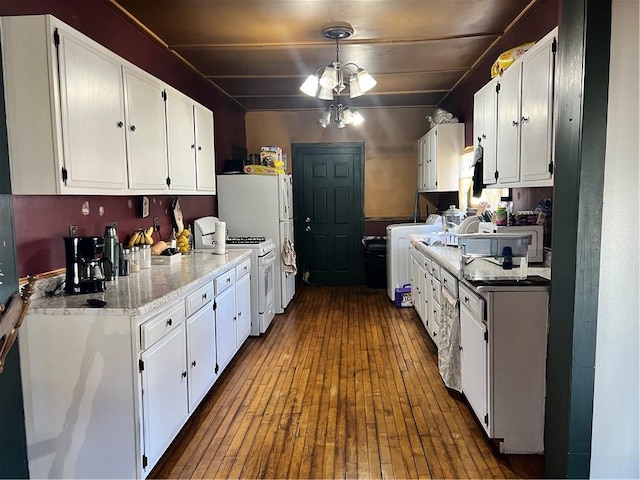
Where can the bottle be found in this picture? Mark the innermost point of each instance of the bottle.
(111, 253)
(134, 263)
(125, 256)
(501, 216)
(173, 243)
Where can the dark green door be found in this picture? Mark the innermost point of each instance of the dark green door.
(329, 212)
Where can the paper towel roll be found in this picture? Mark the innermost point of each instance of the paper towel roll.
(219, 238)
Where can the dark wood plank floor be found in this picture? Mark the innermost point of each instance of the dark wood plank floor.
(343, 385)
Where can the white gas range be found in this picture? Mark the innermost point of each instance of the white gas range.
(263, 257)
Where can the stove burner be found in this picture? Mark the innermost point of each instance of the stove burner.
(244, 240)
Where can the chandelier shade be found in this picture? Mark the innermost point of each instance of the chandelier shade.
(332, 80)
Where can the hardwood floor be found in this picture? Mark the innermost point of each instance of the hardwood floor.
(343, 385)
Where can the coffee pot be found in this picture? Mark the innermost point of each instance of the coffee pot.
(85, 265)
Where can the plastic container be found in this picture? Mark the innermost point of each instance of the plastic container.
(134, 261)
(145, 256)
(494, 256)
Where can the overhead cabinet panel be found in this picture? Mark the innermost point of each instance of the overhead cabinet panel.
(101, 123)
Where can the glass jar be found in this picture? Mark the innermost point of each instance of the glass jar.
(145, 256)
(134, 264)
(501, 216)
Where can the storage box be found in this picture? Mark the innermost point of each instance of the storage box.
(165, 259)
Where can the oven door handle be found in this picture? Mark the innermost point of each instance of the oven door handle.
(268, 259)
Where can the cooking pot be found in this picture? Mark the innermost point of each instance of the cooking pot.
(452, 217)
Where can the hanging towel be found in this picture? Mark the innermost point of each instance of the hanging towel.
(448, 346)
(477, 171)
(288, 258)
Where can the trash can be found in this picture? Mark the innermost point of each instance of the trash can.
(375, 261)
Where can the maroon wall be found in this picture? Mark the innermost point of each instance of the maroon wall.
(42, 221)
(539, 21)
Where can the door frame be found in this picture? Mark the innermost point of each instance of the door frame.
(298, 196)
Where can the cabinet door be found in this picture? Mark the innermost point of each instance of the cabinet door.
(473, 359)
(146, 131)
(536, 116)
(432, 160)
(164, 392)
(508, 150)
(225, 327)
(92, 112)
(180, 141)
(243, 304)
(423, 155)
(201, 353)
(205, 154)
(485, 106)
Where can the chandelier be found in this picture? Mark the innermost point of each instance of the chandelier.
(332, 80)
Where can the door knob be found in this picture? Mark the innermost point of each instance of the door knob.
(307, 228)
(307, 219)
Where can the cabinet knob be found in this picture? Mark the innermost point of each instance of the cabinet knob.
(199, 148)
(204, 296)
(466, 299)
(524, 119)
(228, 279)
(184, 374)
(193, 147)
(120, 124)
(307, 228)
(193, 364)
(460, 347)
(170, 322)
(239, 313)
(132, 128)
(514, 123)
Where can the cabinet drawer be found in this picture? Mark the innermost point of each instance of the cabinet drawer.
(243, 269)
(436, 290)
(449, 282)
(194, 301)
(426, 264)
(153, 330)
(435, 270)
(224, 281)
(471, 301)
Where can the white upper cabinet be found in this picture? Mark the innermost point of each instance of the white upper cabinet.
(181, 142)
(525, 119)
(205, 154)
(89, 122)
(439, 158)
(145, 128)
(485, 106)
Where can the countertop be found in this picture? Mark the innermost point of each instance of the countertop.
(146, 290)
(450, 257)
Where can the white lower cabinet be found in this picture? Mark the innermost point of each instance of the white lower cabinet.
(473, 354)
(225, 308)
(165, 405)
(243, 303)
(201, 354)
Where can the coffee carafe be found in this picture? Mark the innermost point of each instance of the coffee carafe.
(84, 263)
(111, 253)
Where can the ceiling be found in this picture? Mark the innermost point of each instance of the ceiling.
(260, 51)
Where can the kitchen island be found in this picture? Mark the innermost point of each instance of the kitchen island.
(491, 339)
(107, 389)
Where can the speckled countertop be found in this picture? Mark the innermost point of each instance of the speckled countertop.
(148, 289)
(450, 257)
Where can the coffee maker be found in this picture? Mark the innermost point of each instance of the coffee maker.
(84, 262)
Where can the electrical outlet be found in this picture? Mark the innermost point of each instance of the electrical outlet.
(73, 231)
(156, 224)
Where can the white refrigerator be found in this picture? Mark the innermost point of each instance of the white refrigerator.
(261, 206)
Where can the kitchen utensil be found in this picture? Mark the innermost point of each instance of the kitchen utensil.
(453, 216)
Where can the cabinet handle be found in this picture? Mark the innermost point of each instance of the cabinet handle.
(193, 147)
(170, 322)
(199, 148)
(120, 124)
(484, 136)
(132, 128)
(239, 313)
(193, 364)
(229, 280)
(466, 299)
(204, 296)
(514, 123)
(184, 374)
(460, 347)
(524, 119)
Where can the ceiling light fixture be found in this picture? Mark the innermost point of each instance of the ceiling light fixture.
(330, 80)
